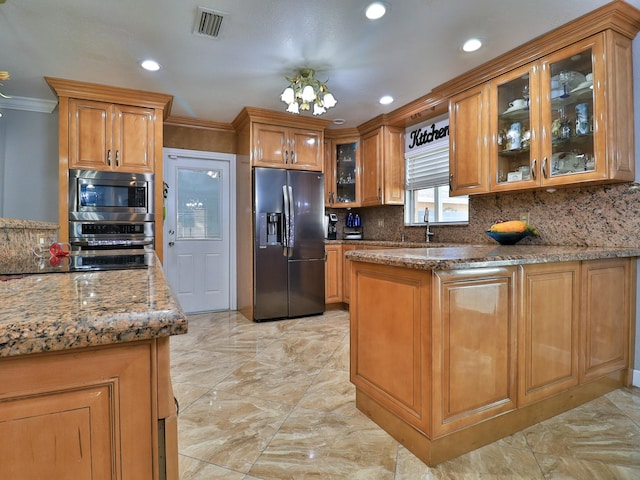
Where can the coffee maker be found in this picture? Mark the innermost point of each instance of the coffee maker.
(332, 230)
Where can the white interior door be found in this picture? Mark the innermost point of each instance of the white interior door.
(199, 250)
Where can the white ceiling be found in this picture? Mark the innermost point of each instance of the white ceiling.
(414, 48)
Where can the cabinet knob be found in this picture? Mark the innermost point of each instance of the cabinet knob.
(109, 157)
(544, 167)
(117, 161)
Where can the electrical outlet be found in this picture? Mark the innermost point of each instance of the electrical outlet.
(381, 222)
(524, 217)
(41, 238)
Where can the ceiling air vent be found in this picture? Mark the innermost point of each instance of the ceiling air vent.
(208, 22)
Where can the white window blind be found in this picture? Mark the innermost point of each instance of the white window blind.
(429, 168)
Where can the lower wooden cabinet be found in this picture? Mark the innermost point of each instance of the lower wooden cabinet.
(447, 361)
(85, 414)
(606, 289)
(473, 331)
(549, 328)
(333, 274)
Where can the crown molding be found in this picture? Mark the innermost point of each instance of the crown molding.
(29, 104)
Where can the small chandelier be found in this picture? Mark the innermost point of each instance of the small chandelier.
(305, 90)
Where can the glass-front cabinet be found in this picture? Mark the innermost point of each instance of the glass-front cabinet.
(341, 174)
(561, 120)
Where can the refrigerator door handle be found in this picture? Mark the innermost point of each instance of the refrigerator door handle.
(287, 228)
(292, 222)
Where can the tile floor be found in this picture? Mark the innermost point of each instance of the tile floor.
(273, 401)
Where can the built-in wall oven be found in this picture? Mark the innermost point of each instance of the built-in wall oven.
(111, 210)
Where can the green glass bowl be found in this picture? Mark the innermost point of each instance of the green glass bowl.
(507, 238)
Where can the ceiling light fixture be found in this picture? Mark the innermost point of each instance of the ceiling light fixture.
(375, 10)
(386, 100)
(304, 90)
(150, 65)
(471, 45)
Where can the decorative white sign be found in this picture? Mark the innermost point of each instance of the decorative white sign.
(426, 134)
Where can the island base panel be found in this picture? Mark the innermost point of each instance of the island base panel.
(438, 450)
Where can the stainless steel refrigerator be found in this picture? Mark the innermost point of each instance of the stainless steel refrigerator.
(288, 259)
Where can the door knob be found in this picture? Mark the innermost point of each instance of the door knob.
(171, 244)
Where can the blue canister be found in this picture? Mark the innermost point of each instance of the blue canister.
(514, 135)
(582, 119)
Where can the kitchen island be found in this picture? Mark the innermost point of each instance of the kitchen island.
(455, 347)
(85, 387)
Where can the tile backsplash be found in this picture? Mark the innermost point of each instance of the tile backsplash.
(600, 215)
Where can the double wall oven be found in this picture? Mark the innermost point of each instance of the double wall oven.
(111, 211)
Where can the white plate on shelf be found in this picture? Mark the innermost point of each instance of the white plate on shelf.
(583, 86)
(514, 109)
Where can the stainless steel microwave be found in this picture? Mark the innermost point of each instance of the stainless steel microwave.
(110, 196)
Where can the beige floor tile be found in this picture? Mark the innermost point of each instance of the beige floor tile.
(561, 468)
(491, 462)
(192, 469)
(331, 392)
(229, 430)
(595, 431)
(323, 445)
(279, 383)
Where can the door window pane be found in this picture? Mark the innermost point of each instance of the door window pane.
(199, 204)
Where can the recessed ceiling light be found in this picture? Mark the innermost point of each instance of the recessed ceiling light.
(150, 65)
(376, 10)
(472, 45)
(386, 100)
(339, 121)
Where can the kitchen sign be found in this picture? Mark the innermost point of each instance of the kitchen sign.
(427, 134)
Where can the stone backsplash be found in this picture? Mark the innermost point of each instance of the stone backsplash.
(600, 215)
(19, 237)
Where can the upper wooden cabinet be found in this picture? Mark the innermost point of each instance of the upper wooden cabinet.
(382, 174)
(280, 140)
(555, 112)
(109, 128)
(562, 120)
(105, 136)
(293, 148)
(342, 170)
(468, 139)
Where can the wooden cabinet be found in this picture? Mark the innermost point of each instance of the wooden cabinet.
(447, 361)
(468, 142)
(564, 119)
(607, 289)
(474, 346)
(548, 330)
(287, 147)
(346, 268)
(382, 175)
(342, 171)
(86, 413)
(390, 359)
(109, 128)
(333, 274)
(105, 136)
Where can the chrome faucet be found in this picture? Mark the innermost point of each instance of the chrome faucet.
(427, 232)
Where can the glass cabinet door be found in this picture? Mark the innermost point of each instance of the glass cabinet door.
(346, 172)
(516, 100)
(569, 141)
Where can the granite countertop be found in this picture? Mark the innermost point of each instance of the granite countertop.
(474, 256)
(58, 311)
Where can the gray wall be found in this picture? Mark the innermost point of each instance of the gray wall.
(29, 165)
